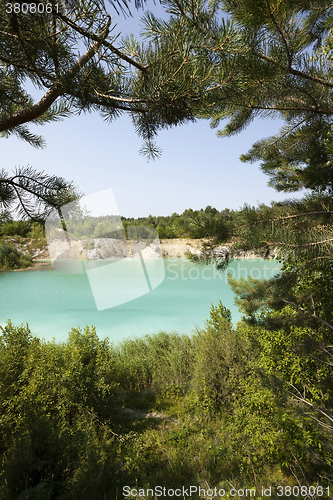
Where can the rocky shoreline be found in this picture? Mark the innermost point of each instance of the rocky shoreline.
(100, 249)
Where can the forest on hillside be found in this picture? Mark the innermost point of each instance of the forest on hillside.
(190, 224)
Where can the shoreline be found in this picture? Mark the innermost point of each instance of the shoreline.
(171, 248)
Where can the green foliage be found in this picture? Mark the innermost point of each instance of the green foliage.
(133, 77)
(23, 228)
(32, 195)
(65, 435)
(53, 402)
(292, 362)
(161, 360)
(207, 60)
(203, 223)
(10, 258)
(220, 363)
(11, 228)
(219, 315)
(36, 231)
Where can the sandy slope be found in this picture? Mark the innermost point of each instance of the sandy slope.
(100, 249)
(178, 246)
(170, 248)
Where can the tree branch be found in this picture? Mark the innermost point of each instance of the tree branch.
(93, 36)
(295, 72)
(303, 400)
(278, 219)
(37, 110)
(305, 245)
(307, 312)
(105, 101)
(120, 99)
(312, 109)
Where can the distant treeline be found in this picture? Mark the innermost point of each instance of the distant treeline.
(23, 228)
(202, 223)
(190, 224)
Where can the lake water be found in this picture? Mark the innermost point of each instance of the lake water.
(53, 302)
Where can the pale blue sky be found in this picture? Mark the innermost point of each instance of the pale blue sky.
(196, 168)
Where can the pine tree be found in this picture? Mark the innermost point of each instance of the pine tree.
(32, 195)
(195, 65)
(109, 76)
(268, 59)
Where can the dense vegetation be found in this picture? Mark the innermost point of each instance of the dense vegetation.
(189, 224)
(21, 228)
(13, 233)
(11, 258)
(245, 406)
(219, 419)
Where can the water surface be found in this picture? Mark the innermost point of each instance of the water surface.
(52, 302)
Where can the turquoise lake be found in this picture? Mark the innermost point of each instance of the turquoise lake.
(52, 302)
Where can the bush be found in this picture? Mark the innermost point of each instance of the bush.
(221, 361)
(36, 231)
(64, 434)
(10, 258)
(25, 229)
(15, 228)
(56, 401)
(155, 360)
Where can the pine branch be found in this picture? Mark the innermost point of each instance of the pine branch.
(279, 219)
(301, 74)
(302, 399)
(35, 192)
(307, 312)
(93, 36)
(54, 92)
(305, 245)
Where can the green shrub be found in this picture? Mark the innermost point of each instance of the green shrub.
(221, 362)
(25, 229)
(13, 228)
(36, 231)
(64, 435)
(155, 360)
(56, 401)
(10, 258)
